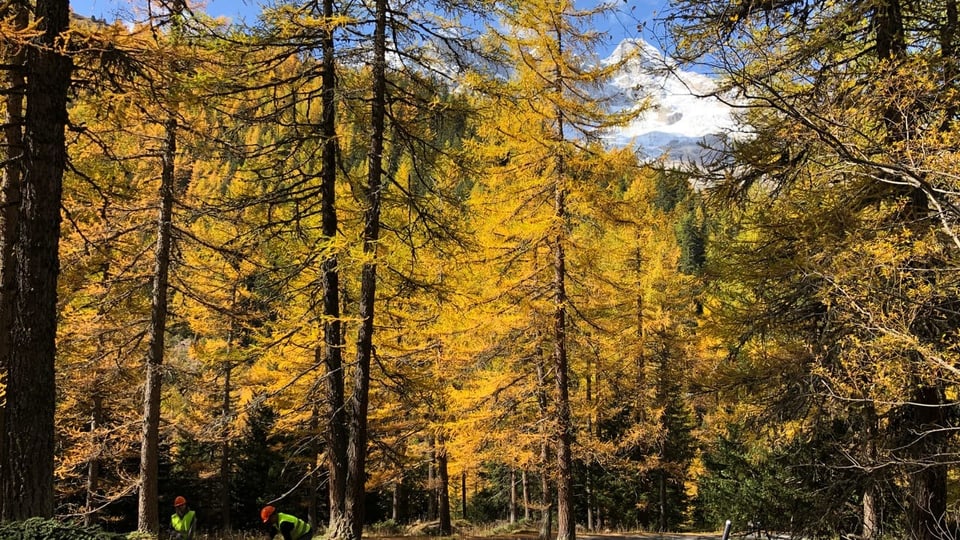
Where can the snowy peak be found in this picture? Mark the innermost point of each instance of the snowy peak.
(680, 111)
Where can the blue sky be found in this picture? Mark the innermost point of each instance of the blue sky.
(619, 24)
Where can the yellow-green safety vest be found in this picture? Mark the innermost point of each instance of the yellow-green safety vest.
(300, 527)
(182, 524)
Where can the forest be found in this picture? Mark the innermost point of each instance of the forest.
(375, 263)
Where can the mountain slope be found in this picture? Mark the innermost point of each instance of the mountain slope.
(680, 113)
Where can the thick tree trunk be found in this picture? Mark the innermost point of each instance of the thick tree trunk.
(928, 503)
(871, 523)
(336, 422)
(14, 85)
(357, 441)
(147, 511)
(928, 484)
(566, 525)
(31, 390)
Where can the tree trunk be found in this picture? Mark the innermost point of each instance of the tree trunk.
(19, 15)
(948, 50)
(432, 482)
(871, 523)
(526, 495)
(546, 525)
(566, 526)
(226, 411)
(928, 484)
(31, 390)
(871, 515)
(357, 441)
(313, 480)
(463, 494)
(513, 495)
(443, 492)
(93, 464)
(395, 503)
(928, 503)
(336, 423)
(589, 489)
(147, 511)
(662, 488)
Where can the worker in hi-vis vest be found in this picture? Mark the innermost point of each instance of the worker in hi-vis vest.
(291, 527)
(183, 521)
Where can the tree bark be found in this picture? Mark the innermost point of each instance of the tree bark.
(662, 489)
(871, 523)
(566, 525)
(432, 483)
(359, 401)
(313, 481)
(31, 396)
(226, 411)
(463, 493)
(927, 511)
(526, 496)
(395, 503)
(546, 523)
(9, 210)
(93, 464)
(147, 510)
(336, 422)
(443, 492)
(513, 495)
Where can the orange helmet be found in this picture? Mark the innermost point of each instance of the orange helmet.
(179, 501)
(266, 513)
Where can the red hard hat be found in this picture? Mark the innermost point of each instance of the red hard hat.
(266, 513)
(179, 501)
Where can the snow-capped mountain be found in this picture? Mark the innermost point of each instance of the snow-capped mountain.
(679, 113)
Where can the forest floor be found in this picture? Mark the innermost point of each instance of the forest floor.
(651, 536)
(603, 536)
(636, 536)
(529, 535)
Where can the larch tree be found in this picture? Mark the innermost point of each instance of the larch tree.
(311, 28)
(543, 119)
(850, 137)
(101, 294)
(170, 89)
(31, 394)
(392, 147)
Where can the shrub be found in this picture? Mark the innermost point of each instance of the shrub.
(49, 529)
